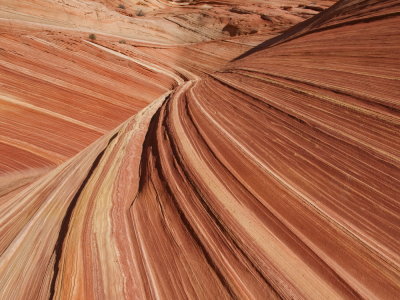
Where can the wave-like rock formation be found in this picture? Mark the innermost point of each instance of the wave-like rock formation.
(60, 90)
(275, 175)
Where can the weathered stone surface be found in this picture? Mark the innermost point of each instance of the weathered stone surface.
(258, 168)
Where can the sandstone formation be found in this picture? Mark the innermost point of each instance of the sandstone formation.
(60, 91)
(258, 168)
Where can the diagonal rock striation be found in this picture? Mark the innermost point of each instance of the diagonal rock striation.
(274, 175)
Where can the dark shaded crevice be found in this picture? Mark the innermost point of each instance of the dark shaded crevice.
(58, 248)
(150, 141)
(151, 151)
(313, 7)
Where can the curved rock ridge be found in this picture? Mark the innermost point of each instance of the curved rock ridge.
(275, 177)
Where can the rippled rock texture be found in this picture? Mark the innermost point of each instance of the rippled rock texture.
(70, 71)
(255, 172)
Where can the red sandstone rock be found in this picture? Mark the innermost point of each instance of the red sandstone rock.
(59, 92)
(275, 175)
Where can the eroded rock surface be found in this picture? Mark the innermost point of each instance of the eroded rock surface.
(258, 172)
(70, 71)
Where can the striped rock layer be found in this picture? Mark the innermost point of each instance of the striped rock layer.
(60, 90)
(275, 175)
